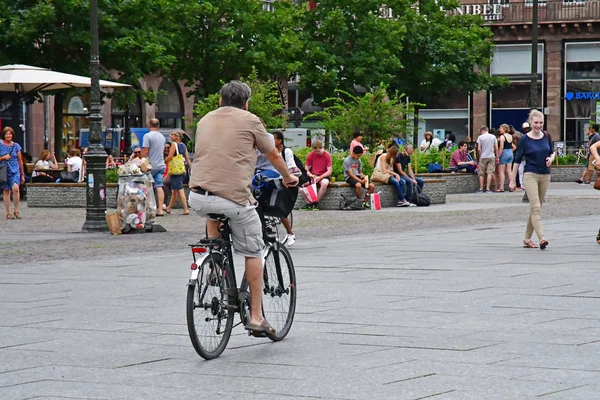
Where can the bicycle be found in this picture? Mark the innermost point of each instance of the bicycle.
(213, 297)
(581, 154)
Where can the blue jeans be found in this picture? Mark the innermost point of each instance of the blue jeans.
(399, 185)
(410, 184)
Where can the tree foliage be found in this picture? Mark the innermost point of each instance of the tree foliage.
(442, 52)
(415, 46)
(348, 43)
(222, 40)
(378, 114)
(264, 102)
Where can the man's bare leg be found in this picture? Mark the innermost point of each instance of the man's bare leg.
(322, 189)
(160, 199)
(254, 275)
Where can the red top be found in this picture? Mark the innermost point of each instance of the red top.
(318, 164)
(458, 156)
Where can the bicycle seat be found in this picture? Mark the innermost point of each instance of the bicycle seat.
(220, 217)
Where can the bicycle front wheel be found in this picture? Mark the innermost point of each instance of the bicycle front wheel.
(279, 291)
(209, 317)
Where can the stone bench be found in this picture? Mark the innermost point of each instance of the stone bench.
(435, 188)
(55, 195)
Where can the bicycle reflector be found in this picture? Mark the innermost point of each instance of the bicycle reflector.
(198, 250)
(194, 266)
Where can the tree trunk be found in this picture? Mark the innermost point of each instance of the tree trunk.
(58, 126)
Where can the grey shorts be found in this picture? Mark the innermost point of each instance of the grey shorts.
(246, 229)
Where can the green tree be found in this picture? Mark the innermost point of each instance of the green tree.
(135, 39)
(222, 40)
(348, 43)
(264, 103)
(379, 115)
(443, 52)
(418, 47)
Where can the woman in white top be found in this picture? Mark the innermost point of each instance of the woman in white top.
(429, 142)
(46, 161)
(75, 163)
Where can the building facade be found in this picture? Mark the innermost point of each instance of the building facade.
(568, 68)
(173, 108)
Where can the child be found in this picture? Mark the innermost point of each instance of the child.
(355, 177)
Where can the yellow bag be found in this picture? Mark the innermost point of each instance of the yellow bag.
(176, 165)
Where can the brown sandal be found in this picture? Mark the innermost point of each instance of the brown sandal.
(9, 216)
(18, 215)
(543, 244)
(528, 244)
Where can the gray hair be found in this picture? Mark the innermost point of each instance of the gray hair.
(178, 132)
(235, 94)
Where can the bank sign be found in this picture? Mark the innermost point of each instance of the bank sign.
(582, 96)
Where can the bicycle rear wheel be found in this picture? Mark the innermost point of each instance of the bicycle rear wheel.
(279, 291)
(209, 317)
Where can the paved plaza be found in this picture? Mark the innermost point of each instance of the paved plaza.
(449, 308)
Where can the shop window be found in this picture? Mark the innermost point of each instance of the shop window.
(582, 98)
(517, 95)
(169, 109)
(583, 70)
(574, 2)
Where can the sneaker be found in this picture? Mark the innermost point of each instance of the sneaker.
(402, 203)
(315, 206)
(412, 205)
(289, 240)
(579, 181)
(308, 207)
(488, 191)
(479, 190)
(586, 183)
(366, 205)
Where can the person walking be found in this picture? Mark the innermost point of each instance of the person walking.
(537, 147)
(177, 149)
(505, 160)
(152, 147)
(10, 155)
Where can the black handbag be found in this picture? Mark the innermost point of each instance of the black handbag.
(69, 176)
(277, 200)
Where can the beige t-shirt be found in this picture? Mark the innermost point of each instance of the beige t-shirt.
(225, 158)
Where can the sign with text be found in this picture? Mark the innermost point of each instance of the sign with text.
(582, 96)
(490, 12)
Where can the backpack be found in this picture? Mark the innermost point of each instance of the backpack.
(419, 198)
(434, 167)
(350, 203)
(302, 179)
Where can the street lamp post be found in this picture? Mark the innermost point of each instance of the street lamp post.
(95, 219)
(533, 94)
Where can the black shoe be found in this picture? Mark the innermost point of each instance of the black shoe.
(579, 181)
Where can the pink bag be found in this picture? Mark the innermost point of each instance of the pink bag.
(310, 193)
(376, 201)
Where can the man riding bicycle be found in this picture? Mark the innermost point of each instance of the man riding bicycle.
(222, 171)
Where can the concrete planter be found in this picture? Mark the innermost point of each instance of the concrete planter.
(435, 188)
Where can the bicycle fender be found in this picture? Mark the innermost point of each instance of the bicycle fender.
(196, 272)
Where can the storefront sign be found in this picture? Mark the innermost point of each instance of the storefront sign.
(490, 12)
(582, 95)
